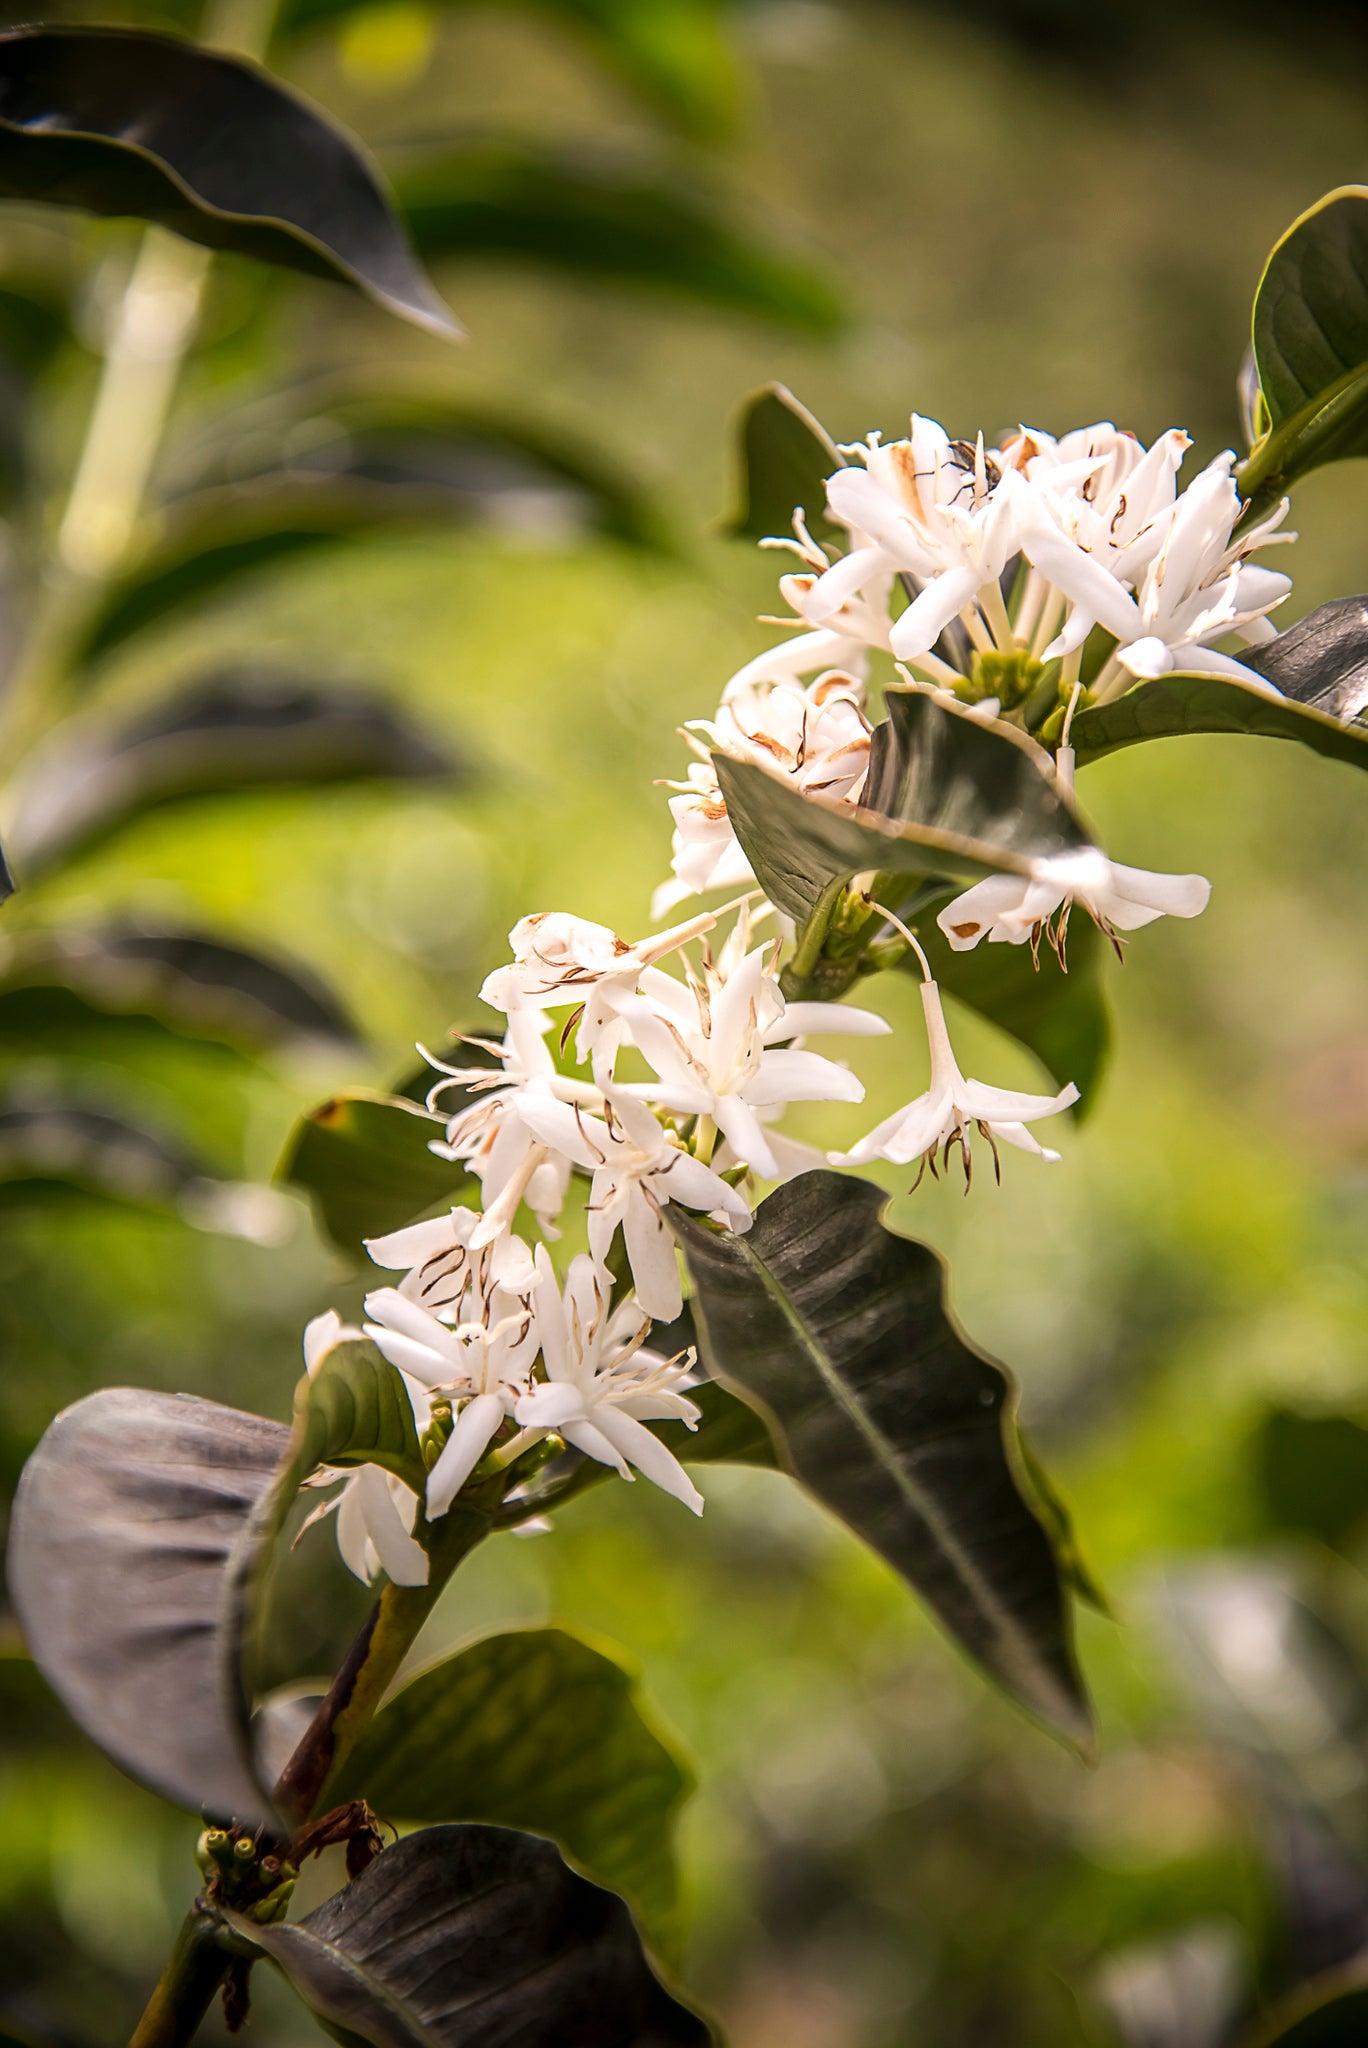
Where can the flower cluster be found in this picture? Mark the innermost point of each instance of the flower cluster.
(646, 1073)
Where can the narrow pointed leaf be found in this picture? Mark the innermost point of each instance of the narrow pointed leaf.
(476, 1937)
(195, 983)
(364, 1161)
(1172, 705)
(784, 457)
(247, 728)
(947, 794)
(541, 1730)
(1311, 344)
(599, 217)
(836, 1329)
(125, 1522)
(119, 121)
(1062, 1018)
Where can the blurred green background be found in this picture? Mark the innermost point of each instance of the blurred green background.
(879, 1852)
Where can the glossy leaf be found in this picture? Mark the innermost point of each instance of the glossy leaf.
(536, 1729)
(400, 465)
(1311, 344)
(246, 728)
(947, 794)
(1171, 705)
(118, 121)
(836, 1329)
(675, 54)
(601, 218)
(784, 457)
(1322, 661)
(353, 1409)
(1062, 1018)
(197, 984)
(476, 1937)
(125, 1524)
(363, 1160)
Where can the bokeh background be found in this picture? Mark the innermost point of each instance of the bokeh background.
(1002, 216)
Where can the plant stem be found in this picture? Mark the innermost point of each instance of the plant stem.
(186, 1988)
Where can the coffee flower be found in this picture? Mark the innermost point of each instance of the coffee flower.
(1011, 909)
(602, 1385)
(445, 1263)
(951, 1110)
(375, 1511)
(490, 1134)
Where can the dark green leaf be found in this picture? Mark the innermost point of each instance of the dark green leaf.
(598, 217)
(476, 1937)
(124, 1525)
(33, 326)
(1330, 2012)
(1061, 1018)
(1311, 344)
(1314, 1474)
(1322, 661)
(117, 121)
(536, 1729)
(947, 794)
(56, 1143)
(354, 1409)
(784, 457)
(364, 1161)
(675, 54)
(1174, 704)
(244, 728)
(836, 1329)
(198, 985)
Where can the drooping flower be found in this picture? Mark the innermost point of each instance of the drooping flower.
(481, 1364)
(720, 1049)
(638, 1168)
(1011, 909)
(952, 1109)
(375, 1510)
(817, 736)
(602, 1385)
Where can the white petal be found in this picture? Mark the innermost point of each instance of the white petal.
(930, 612)
(640, 1448)
(651, 1255)
(800, 1018)
(403, 1560)
(474, 1430)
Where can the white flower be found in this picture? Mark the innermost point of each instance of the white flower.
(1010, 909)
(1193, 582)
(719, 1050)
(375, 1510)
(816, 736)
(443, 1268)
(492, 1136)
(561, 959)
(951, 1109)
(482, 1363)
(940, 510)
(637, 1169)
(602, 1386)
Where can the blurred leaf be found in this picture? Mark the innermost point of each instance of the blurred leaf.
(363, 1160)
(536, 1729)
(1171, 705)
(235, 728)
(199, 985)
(1322, 661)
(475, 1937)
(118, 121)
(1062, 1018)
(1331, 2013)
(1313, 1470)
(124, 1527)
(784, 457)
(674, 53)
(1311, 344)
(947, 794)
(603, 218)
(33, 326)
(836, 1330)
(401, 466)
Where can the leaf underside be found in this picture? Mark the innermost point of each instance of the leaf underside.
(477, 1937)
(118, 121)
(535, 1729)
(837, 1329)
(125, 1523)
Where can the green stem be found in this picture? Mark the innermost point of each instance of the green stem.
(186, 1989)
